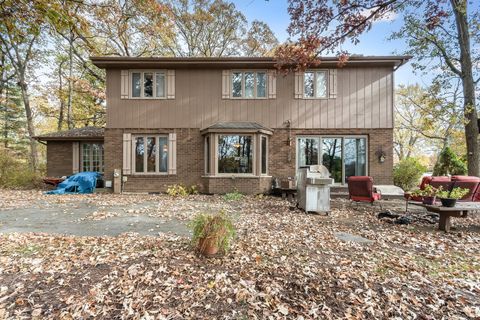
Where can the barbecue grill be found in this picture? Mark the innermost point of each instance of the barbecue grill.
(313, 189)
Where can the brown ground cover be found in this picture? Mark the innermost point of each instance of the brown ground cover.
(283, 264)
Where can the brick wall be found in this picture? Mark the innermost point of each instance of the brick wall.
(190, 159)
(247, 185)
(59, 158)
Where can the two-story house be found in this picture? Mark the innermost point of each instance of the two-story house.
(234, 123)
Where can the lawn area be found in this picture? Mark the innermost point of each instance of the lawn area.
(283, 264)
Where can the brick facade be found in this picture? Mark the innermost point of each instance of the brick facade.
(248, 185)
(59, 158)
(282, 160)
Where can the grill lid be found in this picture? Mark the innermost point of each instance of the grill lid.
(321, 171)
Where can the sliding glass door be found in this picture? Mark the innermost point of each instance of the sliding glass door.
(343, 156)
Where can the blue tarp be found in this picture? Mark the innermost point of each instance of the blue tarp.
(83, 182)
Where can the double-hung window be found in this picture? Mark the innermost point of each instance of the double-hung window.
(151, 154)
(148, 84)
(249, 84)
(315, 84)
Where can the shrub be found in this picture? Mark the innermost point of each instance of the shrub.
(449, 163)
(179, 190)
(233, 196)
(17, 174)
(407, 173)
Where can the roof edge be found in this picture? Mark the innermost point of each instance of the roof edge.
(115, 61)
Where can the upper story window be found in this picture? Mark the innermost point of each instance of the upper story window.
(249, 84)
(148, 84)
(315, 84)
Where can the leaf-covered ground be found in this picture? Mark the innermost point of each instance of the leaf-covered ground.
(284, 264)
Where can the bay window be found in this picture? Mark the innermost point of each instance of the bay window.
(343, 156)
(249, 84)
(236, 154)
(148, 84)
(151, 154)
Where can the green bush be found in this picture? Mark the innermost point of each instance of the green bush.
(407, 173)
(449, 163)
(17, 174)
(233, 196)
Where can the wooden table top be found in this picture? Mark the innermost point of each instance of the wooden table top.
(459, 206)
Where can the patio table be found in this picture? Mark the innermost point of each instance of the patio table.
(460, 210)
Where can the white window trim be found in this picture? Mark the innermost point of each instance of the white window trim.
(325, 71)
(254, 158)
(145, 161)
(266, 155)
(320, 153)
(254, 85)
(90, 156)
(206, 152)
(142, 72)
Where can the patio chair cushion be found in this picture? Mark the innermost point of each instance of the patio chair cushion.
(360, 188)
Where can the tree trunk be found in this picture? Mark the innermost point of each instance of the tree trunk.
(470, 111)
(30, 125)
(62, 102)
(4, 86)
(70, 86)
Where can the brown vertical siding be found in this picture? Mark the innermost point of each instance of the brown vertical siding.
(364, 100)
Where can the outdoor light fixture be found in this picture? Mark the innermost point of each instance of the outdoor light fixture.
(381, 158)
(381, 155)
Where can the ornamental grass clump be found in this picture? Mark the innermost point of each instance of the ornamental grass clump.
(212, 233)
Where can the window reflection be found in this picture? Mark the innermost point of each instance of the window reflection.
(249, 85)
(308, 83)
(148, 84)
(139, 152)
(261, 84)
(235, 154)
(308, 152)
(237, 84)
(136, 84)
(321, 84)
(332, 157)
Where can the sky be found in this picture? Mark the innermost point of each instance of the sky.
(374, 42)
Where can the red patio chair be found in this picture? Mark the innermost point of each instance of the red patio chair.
(468, 182)
(425, 180)
(442, 181)
(360, 189)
